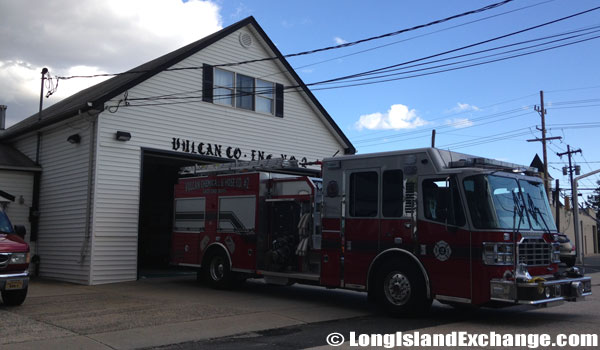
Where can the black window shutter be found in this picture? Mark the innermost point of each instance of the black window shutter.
(279, 100)
(207, 83)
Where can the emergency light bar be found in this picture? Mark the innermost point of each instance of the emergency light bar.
(487, 163)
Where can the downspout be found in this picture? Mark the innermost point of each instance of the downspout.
(88, 208)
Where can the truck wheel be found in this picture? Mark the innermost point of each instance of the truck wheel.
(218, 272)
(570, 262)
(14, 297)
(401, 289)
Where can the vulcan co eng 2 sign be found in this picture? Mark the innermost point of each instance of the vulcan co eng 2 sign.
(218, 150)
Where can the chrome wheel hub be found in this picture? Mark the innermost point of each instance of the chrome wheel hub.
(217, 269)
(397, 288)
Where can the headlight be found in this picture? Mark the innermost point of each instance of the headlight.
(497, 253)
(19, 258)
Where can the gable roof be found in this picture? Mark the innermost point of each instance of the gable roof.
(11, 159)
(95, 96)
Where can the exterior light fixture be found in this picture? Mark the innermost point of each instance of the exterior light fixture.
(75, 138)
(123, 136)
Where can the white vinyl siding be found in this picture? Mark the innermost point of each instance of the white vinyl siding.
(63, 199)
(18, 184)
(302, 133)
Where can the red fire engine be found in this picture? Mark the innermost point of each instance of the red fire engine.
(407, 227)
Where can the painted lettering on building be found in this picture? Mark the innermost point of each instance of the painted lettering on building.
(229, 152)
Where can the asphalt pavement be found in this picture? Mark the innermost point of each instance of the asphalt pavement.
(180, 313)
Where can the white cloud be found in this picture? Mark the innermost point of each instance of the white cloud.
(459, 123)
(464, 107)
(397, 117)
(339, 41)
(89, 37)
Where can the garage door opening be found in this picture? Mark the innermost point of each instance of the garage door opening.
(159, 175)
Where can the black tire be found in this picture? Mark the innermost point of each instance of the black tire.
(570, 262)
(400, 289)
(217, 271)
(14, 297)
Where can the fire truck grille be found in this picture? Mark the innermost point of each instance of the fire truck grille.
(534, 252)
(4, 259)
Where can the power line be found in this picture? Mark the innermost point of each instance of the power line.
(457, 68)
(328, 48)
(475, 53)
(448, 125)
(463, 47)
(418, 36)
(457, 114)
(386, 141)
(485, 8)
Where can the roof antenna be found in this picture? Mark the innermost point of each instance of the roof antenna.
(335, 154)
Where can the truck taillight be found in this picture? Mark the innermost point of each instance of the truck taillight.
(496, 253)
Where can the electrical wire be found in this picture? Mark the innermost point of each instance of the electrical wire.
(387, 141)
(463, 47)
(412, 38)
(473, 53)
(457, 68)
(461, 123)
(328, 48)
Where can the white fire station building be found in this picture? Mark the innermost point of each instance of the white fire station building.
(92, 179)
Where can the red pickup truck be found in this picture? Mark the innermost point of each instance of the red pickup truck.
(14, 262)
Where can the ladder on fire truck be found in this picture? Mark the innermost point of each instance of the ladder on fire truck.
(278, 165)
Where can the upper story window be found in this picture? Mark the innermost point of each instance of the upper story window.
(265, 96)
(223, 90)
(241, 91)
(244, 92)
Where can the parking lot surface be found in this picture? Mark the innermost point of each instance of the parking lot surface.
(180, 313)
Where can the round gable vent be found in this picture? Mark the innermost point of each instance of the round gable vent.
(245, 40)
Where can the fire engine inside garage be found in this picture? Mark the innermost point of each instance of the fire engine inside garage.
(160, 172)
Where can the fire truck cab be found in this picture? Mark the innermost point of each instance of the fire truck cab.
(407, 227)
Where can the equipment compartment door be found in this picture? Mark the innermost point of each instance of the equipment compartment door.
(444, 238)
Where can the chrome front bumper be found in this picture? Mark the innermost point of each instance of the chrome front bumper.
(541, 293)
(12, 278)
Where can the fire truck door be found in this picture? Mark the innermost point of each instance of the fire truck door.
(444, 238)
(361, 235)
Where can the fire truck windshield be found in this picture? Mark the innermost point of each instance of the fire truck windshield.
(494, 202)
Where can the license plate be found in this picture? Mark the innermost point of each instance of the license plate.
(14, 284)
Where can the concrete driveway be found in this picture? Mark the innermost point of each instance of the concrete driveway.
(157, 312)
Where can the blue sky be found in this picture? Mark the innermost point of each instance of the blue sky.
(485, 110)
(478, 102)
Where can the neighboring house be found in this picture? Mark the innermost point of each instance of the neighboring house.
(109, 155)
(17, 175)
(588, 225)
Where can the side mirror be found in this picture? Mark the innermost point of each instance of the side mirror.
(20, 231)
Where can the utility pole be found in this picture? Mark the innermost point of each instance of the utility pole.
(557, 205)
(573, 194)
(542, 111)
